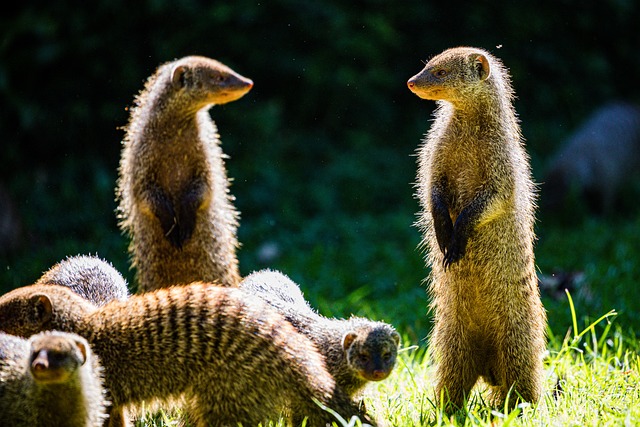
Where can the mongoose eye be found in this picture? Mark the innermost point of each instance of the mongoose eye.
(440, 73)
(363, 358)
(218, 78)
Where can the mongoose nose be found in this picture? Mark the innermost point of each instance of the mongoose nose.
(249, 83)
(379, 374)
(40, 362)
(411, 83)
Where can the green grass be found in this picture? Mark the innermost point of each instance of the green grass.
(353, 260)
(592, 378)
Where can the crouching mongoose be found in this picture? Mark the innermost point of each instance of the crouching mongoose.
(478, 204)
(357, 350)
(91, 277)
(51, 379)
(230, 359)
(173, 190)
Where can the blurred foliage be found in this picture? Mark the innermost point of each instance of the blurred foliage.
(321, 150)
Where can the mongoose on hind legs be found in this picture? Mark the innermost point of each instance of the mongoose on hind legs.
(231, 358)
(357, 350)
(51, 379)
(92, 278)
(173, 193)
(478, 203)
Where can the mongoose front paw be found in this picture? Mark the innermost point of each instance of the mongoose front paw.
(453, 253)
(172, 234)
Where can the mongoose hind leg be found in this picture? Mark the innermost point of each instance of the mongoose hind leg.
(117, 417)
(517, 370)
(225, 408)
(456, 372)
(203, 417)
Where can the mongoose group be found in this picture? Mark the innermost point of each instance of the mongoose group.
(230, 350)
(478, 207)
(232, 359)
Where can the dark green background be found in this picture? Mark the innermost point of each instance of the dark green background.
(322, 148)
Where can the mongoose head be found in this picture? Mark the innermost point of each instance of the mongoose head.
(371, 350)
(56, 356)
(452, 75)
(206, 81)
(31, 309)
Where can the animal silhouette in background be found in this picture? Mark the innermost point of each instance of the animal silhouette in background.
(599, 160)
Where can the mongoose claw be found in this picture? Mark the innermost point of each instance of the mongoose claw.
(447, 261)
(452, 255)
(179, 234)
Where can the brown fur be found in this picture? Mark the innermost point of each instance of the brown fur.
(92, 278)
(478, 203)
(357, 350)
(51, 379)
(230, 358)
(173, 193)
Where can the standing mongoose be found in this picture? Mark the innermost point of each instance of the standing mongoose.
(597, 161)
(228, 357)
(357, 350)
(478, 206)
(92, 278)
(51, 379)
(173, 190)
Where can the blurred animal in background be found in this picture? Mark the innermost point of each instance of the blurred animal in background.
(599, 160)
(558, 282)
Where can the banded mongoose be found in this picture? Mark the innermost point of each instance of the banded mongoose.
(51, 379)
(478, 206)
(357, 350)
(597, 161)
(91, 277)
(173, 190)
(228, 357)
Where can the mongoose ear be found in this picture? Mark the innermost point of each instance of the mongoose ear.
(43, 309)
(482, 66)
(348, 339)
(178, 76)
(83, 350)
(396, 337)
